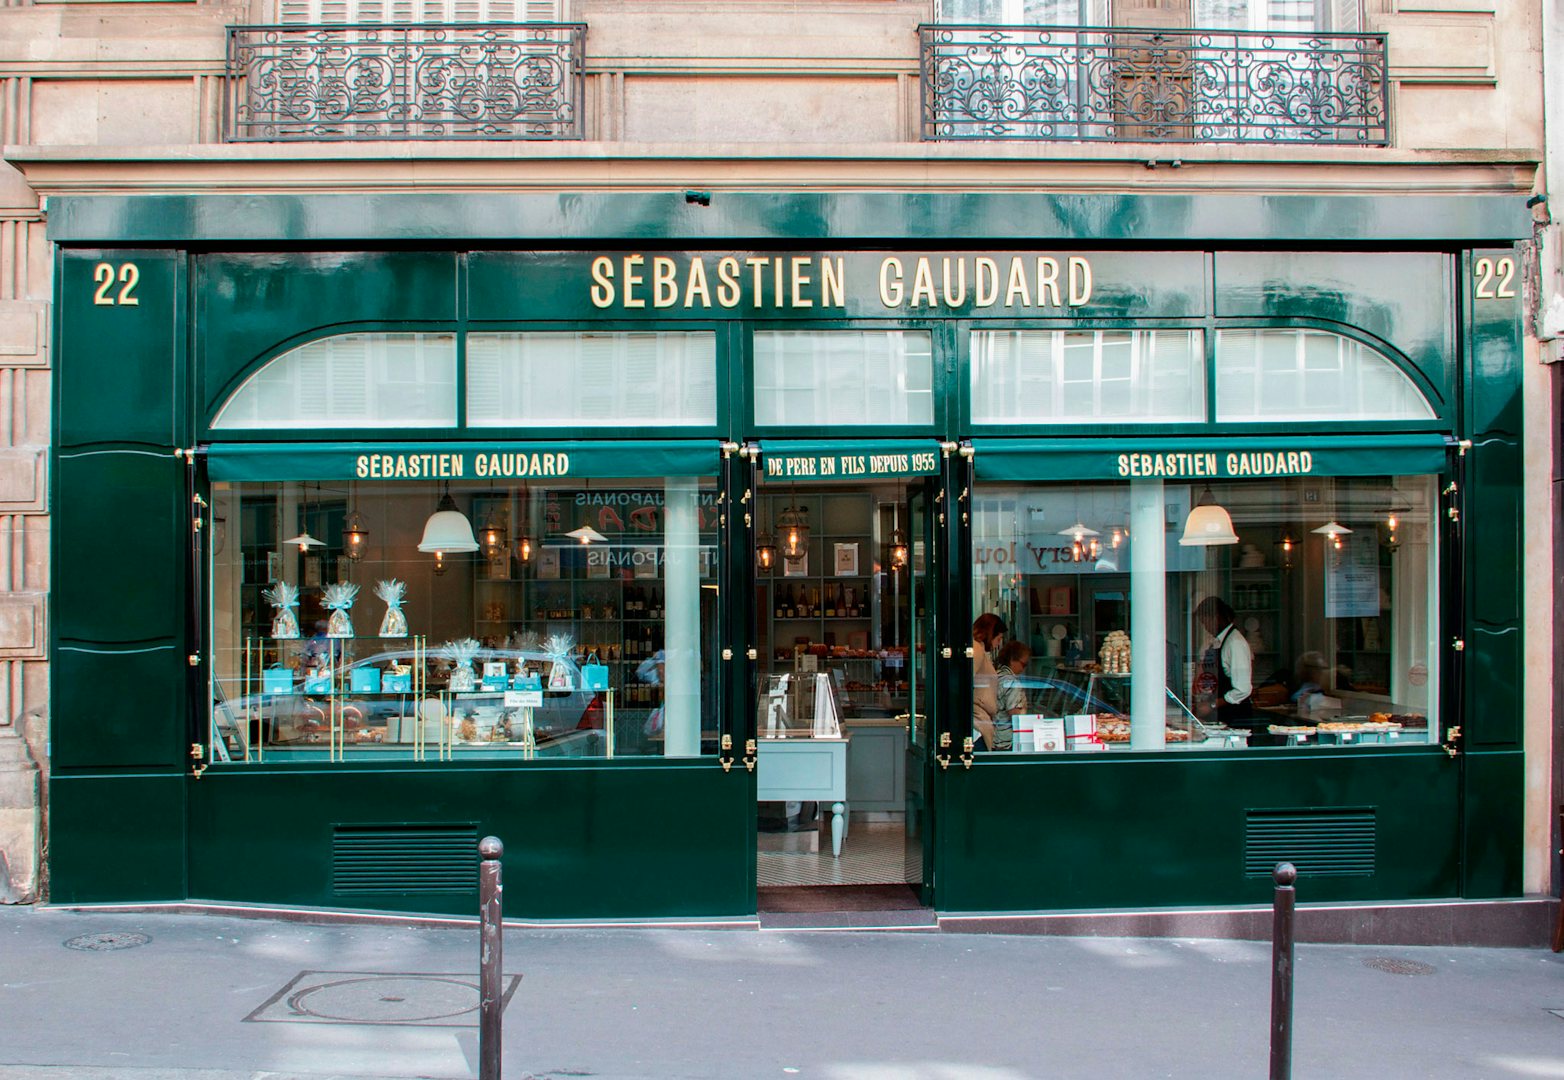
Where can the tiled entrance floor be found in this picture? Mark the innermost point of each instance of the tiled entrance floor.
(875, 853)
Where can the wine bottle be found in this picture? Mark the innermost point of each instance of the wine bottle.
(831, 605)
(778, 607)
(792, 603)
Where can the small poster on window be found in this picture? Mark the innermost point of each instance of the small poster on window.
(548, 564)
(645, 562)
(1352, 577)
(798, 567)
(847, 560)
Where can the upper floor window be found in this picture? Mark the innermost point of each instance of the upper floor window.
(1279, 16)
(418, 11)
(1280, 375)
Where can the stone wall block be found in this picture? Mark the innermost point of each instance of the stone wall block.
(24, 332)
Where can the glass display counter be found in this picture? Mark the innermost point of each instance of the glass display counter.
(802, 748)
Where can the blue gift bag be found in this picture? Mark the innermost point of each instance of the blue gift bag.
(530, 681)
(317, 684)
(364, 680)
(594, 674)
(277, 680)
(397, 682)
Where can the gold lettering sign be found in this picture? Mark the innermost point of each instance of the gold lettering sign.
(1182, 466)
(454, 466)
(805, 282)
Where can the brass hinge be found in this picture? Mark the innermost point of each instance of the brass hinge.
(727, 654)
(197, 770)
(1458, 644)
(968, 651)
(197, 751)
(1453, 514)
(944, 744)
(749, 754)
(966, 751)
(727, 750)
(194, 659)
(751, 653)
(1452, 740)
(946, 653)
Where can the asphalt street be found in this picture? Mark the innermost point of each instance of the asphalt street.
(210, 998)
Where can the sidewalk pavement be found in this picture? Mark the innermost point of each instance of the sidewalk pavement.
(210, 998)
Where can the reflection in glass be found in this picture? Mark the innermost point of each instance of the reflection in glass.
(1079, 377)
(556, 649)
(847, 378)
(547, 379)
(1280, 375)
(1290, 637)
(351, 381)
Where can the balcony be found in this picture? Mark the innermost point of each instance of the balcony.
(411, 81)
(1096, 84)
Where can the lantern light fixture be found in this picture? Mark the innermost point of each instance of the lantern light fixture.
(355, 536)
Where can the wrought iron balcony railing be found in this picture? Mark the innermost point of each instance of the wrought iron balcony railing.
(1069, 83)
(408, 81)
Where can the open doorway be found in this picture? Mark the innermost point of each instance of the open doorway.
(843, 630)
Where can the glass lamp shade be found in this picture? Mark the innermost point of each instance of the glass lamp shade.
(794, 525)
(355, 537)
(448, 530)
(305, 541)
(524, 548)
(765, 552)
(1208, 525)
(492, 535)
(587, 535)
(898, 550)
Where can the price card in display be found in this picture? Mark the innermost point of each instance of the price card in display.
(524, 699)
(1048, 733)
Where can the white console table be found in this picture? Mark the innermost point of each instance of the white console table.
(806, 770)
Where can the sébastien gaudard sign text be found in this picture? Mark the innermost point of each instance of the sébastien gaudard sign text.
(453, 465)
(795, 282)
(1222, 464)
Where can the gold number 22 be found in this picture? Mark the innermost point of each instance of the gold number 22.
(129, 276)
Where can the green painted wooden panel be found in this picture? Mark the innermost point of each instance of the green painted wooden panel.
(120, 367)
(1493, 511)
(117, 708)
(1493, 823)
(116, 838)
(595, 841)
(119, 537)
(249, 305)
(128, 589)
(590, 217)
(1403, 298)
(1101, 831)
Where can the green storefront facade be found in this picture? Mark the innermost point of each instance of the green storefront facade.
(167, 307)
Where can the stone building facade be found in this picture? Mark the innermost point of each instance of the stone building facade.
(135, 97)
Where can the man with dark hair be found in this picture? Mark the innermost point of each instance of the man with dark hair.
(1225, 679)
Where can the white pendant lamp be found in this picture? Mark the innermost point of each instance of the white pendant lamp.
(1333, 532)
(447, 529)
(1208, 524)
(587, 535)
(305, 541)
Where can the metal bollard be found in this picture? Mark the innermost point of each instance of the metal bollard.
(491, 958)
(1282, 941)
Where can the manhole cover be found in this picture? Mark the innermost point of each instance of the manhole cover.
(106, 942)
(367, 997)
(1390, 965)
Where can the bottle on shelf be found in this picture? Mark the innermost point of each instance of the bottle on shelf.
(852, 602)
(792, 604)
(814, 601)
(779, 604)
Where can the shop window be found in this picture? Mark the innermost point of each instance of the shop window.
(1316, 626)
(1089, 376)
(1288, 375)
(583, 626)
(351, 381)
(844, 378)
(566, 379)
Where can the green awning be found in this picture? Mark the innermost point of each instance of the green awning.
(1214, 458)
(500, 462)
(791, 460)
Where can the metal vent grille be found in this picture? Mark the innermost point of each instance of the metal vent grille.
(404, 858)
(1318, 842)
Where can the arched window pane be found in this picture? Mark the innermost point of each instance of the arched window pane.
(1274, 375)
(844, 377)
(547, 379)
(1087, 376)
(351, 381)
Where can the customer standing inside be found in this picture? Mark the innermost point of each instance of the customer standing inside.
(1009, 665)
(988, 637)
(1225, 680)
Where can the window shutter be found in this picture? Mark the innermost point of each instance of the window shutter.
(425, 11)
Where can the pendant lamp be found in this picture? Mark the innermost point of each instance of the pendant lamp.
(354, 536)
(1333, 532)
(765, 552)
(1208, 524)
(447, 529)
(793, 523)
(587, 535)
(898, 549)
(304, 539)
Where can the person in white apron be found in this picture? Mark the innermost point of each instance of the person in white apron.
(1225, 679)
